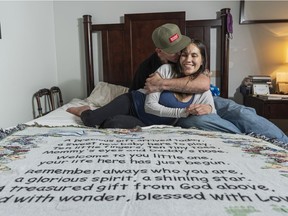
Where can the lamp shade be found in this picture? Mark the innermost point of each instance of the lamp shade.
(282, 77)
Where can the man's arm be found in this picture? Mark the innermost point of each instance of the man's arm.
(185, 84)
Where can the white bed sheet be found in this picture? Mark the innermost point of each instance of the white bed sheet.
(60, 117)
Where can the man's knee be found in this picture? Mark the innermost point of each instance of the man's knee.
(194, 121)
(211, 122)
(229, 109)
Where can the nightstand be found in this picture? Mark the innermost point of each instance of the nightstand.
(270, 109)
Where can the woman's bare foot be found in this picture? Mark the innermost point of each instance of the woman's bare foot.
(78, 110)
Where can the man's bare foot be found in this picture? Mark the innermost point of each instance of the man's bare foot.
(78, 110)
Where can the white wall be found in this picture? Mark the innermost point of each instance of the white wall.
(27, 57)
(36, 35)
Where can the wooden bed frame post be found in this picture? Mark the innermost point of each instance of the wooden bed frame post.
(224, 53)
(88, 53)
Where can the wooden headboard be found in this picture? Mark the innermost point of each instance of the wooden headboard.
(126, 45)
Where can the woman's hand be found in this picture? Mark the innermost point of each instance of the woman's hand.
(199, 109)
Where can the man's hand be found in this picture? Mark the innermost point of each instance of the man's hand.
(156, 83)
(199, 109)
(153, 83)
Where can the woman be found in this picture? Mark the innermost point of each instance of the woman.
(160, 107)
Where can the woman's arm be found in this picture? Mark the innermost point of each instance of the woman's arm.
(204, 101)
(202, 104)
(152, 106)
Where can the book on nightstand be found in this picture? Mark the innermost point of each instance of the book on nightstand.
(260, 79)
(273, 96)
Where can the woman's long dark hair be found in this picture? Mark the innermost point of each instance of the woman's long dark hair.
(201, 46)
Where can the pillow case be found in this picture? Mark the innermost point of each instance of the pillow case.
(104, 92)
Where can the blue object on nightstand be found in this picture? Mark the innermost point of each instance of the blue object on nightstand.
(214, 90)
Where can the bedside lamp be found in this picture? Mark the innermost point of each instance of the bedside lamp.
(282, 82)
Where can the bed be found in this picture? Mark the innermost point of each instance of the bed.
(54, 165)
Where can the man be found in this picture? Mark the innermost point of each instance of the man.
(169, 41)
(167, 51)
(231, 117)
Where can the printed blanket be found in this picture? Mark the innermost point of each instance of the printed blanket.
(151, 171)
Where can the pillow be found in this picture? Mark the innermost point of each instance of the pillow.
(104, 92)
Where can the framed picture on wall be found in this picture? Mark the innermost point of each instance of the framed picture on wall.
(252, 12)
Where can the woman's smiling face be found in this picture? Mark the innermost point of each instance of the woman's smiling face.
(190, 59)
